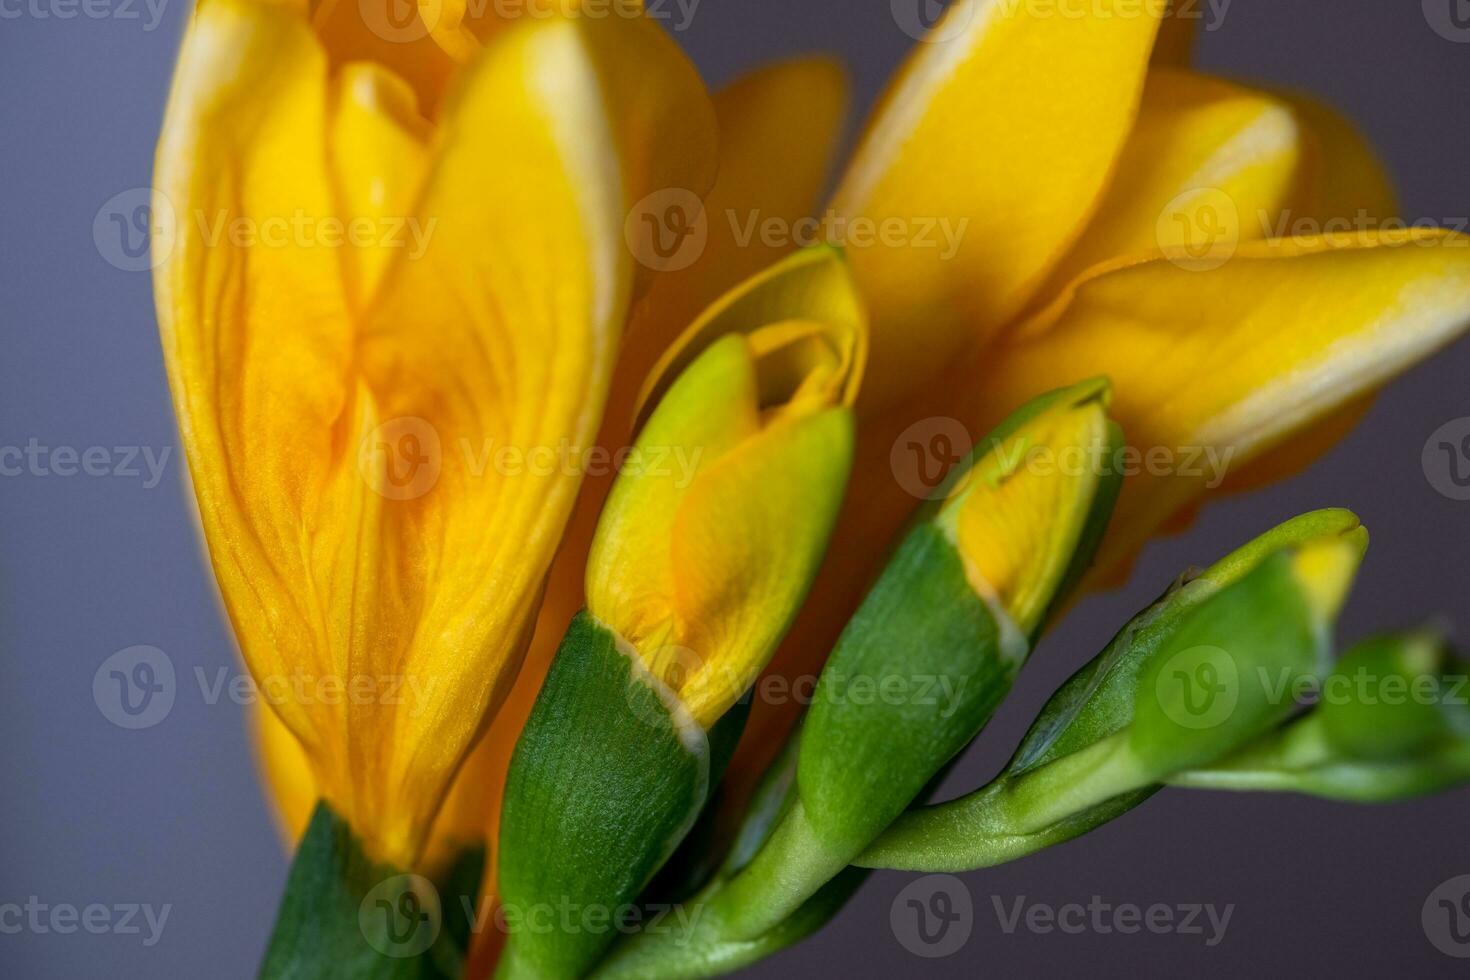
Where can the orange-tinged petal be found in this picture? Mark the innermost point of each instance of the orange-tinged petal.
(1178, 33)
(1001, 130)
(344, 452)
(379, 156)
(1215, 369)
(1208, 164)
(779, 127)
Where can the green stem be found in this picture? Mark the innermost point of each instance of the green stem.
(1016, 815)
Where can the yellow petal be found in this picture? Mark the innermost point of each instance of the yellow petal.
(378, 162)
(286, 772)
(358, 518)
(1213, 369)
(1001, 130)
(1208, 164)
(1017, 516)
(1341, 178)
(257, 340)
(749, 539)
(779, 128)
(1174, 47)
(688, 564)
(399, 37)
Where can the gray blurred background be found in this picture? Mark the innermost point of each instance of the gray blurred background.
(171, 815)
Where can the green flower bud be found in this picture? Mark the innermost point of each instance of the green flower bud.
(1189, 679)
(1392, 721)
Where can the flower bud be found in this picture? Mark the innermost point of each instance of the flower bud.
(701, 563)
(1206, 669)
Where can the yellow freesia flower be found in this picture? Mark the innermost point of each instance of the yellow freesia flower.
(1122, 216)
(347, 405)
(1115, 213)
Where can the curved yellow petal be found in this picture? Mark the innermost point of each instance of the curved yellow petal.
(982, 164)
(348, 457)
(779, 129)
(1214, 369)
(379, 157)
(286, 772)
(1208, 164)
(1342, 177)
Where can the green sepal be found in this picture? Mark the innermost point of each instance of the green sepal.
(864, 754)
(699, 856)
(1392, 723)
(1098, 701)
(1224, 677)
(345, 915)
(603, 785)
(1076, 768)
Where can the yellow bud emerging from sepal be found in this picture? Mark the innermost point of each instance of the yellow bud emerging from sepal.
(1018, 513)
(717, 523)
